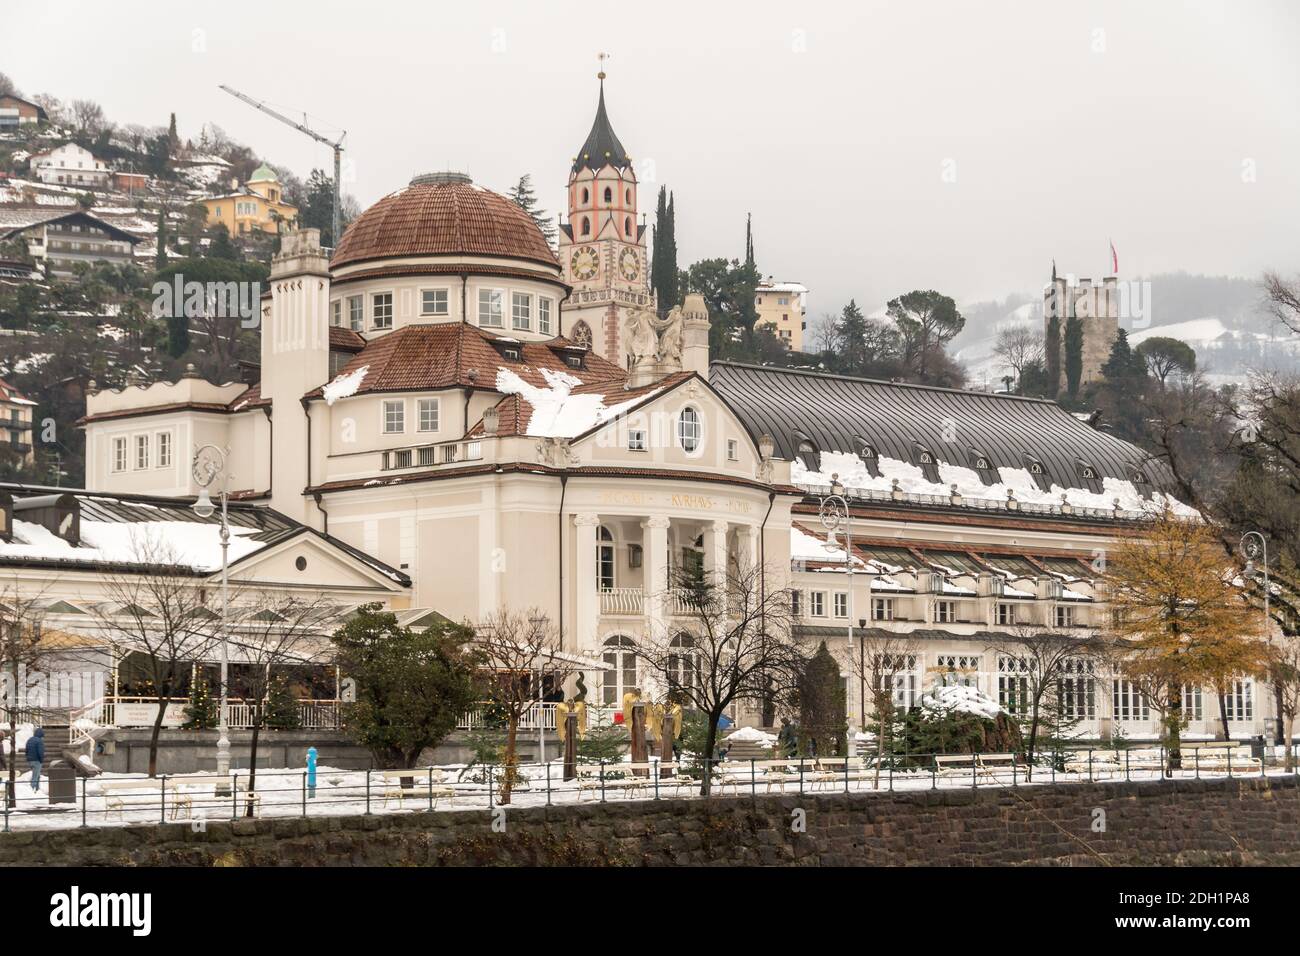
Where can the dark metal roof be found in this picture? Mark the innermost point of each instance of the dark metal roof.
(602, 147)
(837, 412)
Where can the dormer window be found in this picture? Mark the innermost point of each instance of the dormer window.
(807, 451)
(1088, 475)
(1037, 471)
(983, 465)
(924, 459)
(868, 455)
(573, 361)
(1140, 480)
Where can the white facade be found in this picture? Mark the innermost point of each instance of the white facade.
(70, 165)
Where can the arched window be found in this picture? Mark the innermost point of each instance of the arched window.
(620, 670)
(868, 455)
(924, 459)
(604, 559)
(1088, 475)
(627, 226)
(1140, 480)
(585, 195)
(690, 429)
(586, 226)
(983, 465)
(629, 195)
(609, 195)
(681, 662)
(581, 334)
(1038, 471)
(807, 451)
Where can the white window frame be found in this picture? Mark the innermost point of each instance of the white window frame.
(1078, 689)
(545, 310)
(374, 310)
(336, 312)
(840, 604)
(1004, 614)
(119, 459)
(637, 440)
(882, 609)
(796, 602)
(1128, 704)
(521, 312)
(494, 319)
(733, 450)
(446, 301)
(1014, 688)
(1239, 702)
(1193, 701)
(356, 312)
(958, 670)
(143, 448)
(816, 603)
(1063, 615)
(163, 449)
(424, 405)
(902, 682)
(689, 432)
(945, 612)
(385, 406)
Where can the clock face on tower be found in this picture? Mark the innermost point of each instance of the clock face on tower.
(629, 265)
(584, 262)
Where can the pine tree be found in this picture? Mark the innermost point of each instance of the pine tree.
(173, 138)
(282, 712)
(1073, 354)
(523, 196)
(201, 711)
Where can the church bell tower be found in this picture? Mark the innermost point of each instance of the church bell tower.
(602, 246)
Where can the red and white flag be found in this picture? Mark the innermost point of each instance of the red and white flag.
(1114, 259)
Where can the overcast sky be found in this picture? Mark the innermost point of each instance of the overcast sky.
(880, 146)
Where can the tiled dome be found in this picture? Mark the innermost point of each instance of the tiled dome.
(443, 214)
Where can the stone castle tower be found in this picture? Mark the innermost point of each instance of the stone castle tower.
(1096, 305)
(602, 247)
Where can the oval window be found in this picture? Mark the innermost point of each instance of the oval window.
(689, 429)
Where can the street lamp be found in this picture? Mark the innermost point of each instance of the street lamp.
(1255, 546)
(209, 462)
(834, 513)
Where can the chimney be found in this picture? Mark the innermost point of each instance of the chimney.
(695, 335)
(491, 420)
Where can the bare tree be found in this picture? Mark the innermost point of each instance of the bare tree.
(1019, 346)
(1041, 664)
(1284, 674)
(1282, 299)
(733, 642)
(272, 635)
(21, 653)
(8, 87)
(158, 613)
(886, 663)
(522, 653)
(88, 117)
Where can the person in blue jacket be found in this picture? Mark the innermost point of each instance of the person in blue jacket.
(35, 755)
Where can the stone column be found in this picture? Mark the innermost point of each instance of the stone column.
(715, 557)
(586, 608)
(749, 548)
(655, 561)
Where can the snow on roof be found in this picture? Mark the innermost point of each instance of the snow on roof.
(344, 386)
(557, 412)
(911, 479)
(965, 700)
(187, 543)
(806, 547)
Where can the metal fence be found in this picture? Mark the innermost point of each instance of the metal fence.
(201, 798)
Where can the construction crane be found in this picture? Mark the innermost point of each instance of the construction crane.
(336, 145)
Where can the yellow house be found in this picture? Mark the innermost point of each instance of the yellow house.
(259, 205)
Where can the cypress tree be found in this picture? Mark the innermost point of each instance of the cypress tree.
(663, 263)
(1052, 355)
(1073, 354)
(160, 255)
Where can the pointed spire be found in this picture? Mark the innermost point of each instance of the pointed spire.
(602, 147)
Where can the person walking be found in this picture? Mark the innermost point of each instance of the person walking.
(36, 755)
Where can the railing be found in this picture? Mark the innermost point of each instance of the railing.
(622, 601)
(427, 456)
(539, 716)
(982, 504)
(312, 714)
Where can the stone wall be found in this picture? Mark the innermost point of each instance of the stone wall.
(1188, 822)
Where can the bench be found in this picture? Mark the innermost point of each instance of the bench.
(988, 766)
(1220, 755)
(1096, 763)
(832, 770)
(115, 795)
(427, 786)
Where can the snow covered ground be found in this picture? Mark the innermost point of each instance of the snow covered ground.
(284, 793)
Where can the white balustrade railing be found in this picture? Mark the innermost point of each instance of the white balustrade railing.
(622, 601)
(539, 716)
(312, 714)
